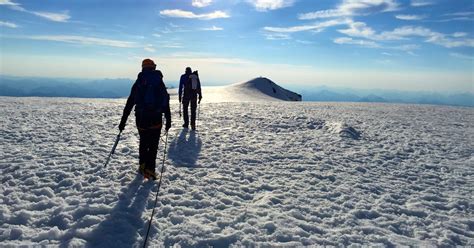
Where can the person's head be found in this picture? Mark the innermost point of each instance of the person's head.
(195, 73)
(148, 64)
(188, 70)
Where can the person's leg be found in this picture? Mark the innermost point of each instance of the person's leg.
(142, 147)
(153, 146)
(185, 112)
(193, 112)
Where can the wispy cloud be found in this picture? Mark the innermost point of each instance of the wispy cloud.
(52, 16)
(213, 28)
(8, 24)
(462, 56)
(83, 40)
(463, 13)
(316, 27)
(149, 48)
(353, 8)
(177, 13)
(201, 3)
(277, 36)
(459, 34)
(410, 17)
(8, 2)
(265, 5)
(360, 29)
(170, 44)
(467, 16)
(421, 3)
(56, 17)
(363, 43)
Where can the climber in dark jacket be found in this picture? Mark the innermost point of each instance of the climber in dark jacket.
(151, 101)
(189, 89)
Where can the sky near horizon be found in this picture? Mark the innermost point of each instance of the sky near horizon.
(385, 44)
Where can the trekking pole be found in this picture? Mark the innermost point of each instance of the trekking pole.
(157, 191)
(113, 149)
(199, 110)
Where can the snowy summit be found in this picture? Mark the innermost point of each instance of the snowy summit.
(255, 90)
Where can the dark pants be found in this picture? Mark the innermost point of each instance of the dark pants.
(149, 139)
(186, 102)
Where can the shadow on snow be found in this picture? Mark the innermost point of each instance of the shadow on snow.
(121, 227)
(185, 148)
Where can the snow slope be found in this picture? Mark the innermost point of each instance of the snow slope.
(256, 90)
(256, 173)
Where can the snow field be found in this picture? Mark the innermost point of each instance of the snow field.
(261, 174)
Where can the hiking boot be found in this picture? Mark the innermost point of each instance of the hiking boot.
(150, 174)
(193, 127)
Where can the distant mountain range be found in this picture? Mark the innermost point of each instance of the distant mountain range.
(117, 88)
(390, 96)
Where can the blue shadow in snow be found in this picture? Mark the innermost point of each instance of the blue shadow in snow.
(185, 148)
(121, 227)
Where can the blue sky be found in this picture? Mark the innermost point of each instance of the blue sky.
(386, 44)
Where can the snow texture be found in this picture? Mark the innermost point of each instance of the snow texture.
(255, 174)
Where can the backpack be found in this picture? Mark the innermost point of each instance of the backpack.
(151, 94)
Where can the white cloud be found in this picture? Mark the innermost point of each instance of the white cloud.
(410, 17)
(149, 48)
(321, 14)
(304, 42)
(459, 34)
(353, 8)
(360, 29)
(317, 27)
(364, 43)
(406, 48)
(265, 5)
(8, 24)
(421, 3)
(177, 13)
(157, 35)
(464, 13)
(277, 36)
(201, 3)
(462, 56)
(83, 40)
(57, 17)
(213, 28)
(8, 2)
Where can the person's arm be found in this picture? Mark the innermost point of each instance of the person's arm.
(128, 107)
(167, 110)
(168, 115)
(181, 86)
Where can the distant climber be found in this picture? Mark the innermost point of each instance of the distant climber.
(151, 101)
(189, 89)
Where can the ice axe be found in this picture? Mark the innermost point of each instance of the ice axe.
(113, 149)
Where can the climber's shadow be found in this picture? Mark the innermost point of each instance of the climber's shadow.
(185, 148)
(124, 221)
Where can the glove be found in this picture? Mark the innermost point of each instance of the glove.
(121, 126)
(200, 97)
(168, 125)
